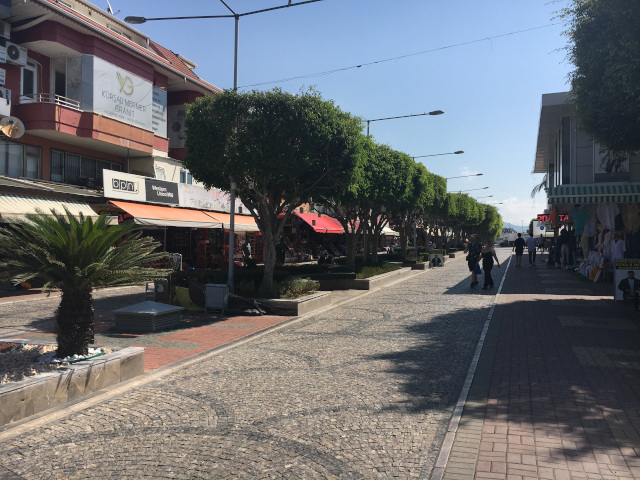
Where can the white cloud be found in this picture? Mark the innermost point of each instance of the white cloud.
(520, 211)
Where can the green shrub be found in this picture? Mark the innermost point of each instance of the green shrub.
(296, 288)
(367, 271)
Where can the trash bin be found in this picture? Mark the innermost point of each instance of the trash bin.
(162, 292)
(216, 296)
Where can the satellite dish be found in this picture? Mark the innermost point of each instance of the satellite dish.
(12, 127)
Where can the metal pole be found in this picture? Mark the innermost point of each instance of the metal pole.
(232, 199)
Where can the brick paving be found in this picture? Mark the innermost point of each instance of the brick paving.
(370, 389)
(556, 394)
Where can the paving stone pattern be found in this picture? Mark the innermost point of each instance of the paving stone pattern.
(557, 391)
(365, 390)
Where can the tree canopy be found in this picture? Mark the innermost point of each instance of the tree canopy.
(282, 150)
(605, 50)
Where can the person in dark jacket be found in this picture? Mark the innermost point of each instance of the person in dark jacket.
(518, 246)
(473, 250)
(488, 253)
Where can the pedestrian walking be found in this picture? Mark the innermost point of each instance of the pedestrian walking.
(473, 250)
(518, 247)
(532, 244)
(563, 242)
(488, 253)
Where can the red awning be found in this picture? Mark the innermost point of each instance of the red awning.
(320, 223)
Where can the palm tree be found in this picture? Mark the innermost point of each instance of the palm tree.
(542, 185)
(75, 255)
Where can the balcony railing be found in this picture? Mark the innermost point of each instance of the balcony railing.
(51, 98)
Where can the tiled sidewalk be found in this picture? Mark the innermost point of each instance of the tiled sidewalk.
(556, 392)
(168, 346)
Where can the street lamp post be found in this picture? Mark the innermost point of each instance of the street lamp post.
(232, 184)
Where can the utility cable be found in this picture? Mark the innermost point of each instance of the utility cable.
(395, 59)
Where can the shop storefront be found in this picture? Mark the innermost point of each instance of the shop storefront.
(200, 235)
(308, 234)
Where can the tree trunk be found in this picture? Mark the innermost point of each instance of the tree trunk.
(403, 241)
(269, 258)
(74, 320)
(375, 241)
(351, 251)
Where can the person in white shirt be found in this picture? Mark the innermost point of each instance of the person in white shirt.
(532, 244)
(618, 247)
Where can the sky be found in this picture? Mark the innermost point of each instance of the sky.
(485, 64)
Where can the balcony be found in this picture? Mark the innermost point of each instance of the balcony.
(61, 119)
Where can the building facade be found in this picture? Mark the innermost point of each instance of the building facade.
(594, 191)
(90, 107)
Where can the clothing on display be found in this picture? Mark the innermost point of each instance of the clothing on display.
(631, 217)
(617, 250)
(590, 227)
(607, 215)
(580, 216)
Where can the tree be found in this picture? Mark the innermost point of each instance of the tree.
(491, 226)
(75, 255)
(282, 150)
(388, 181)
(605, 49)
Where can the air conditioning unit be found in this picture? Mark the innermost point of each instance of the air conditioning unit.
(5, 30)
(10, 52)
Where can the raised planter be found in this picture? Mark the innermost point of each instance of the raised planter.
(420, 266)
(40, 392)
(365, 283)
(297, 306)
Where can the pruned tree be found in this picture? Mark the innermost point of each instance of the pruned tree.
(282, 150)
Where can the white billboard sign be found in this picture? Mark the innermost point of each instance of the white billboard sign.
(199, 198)
(124, 186)
(122, 95)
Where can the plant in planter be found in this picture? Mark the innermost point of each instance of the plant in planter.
(75, 255)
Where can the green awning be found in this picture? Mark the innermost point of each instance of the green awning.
(594, 193)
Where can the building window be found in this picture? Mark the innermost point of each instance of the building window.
(160, 173)
(185, 177)
(28, 82)
(77, 169)
(18, 160)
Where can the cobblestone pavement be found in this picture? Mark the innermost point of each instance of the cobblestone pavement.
(33, 313)
(365, 390)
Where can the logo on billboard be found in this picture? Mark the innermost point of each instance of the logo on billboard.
(126, 84)
(124, 185)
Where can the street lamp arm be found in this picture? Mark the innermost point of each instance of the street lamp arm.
(138, 20)
(134, 20)
(458, 152)
(435, 112)
(464, 176)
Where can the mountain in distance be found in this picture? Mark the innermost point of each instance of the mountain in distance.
(517, 228)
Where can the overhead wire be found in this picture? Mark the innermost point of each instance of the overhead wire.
(395, 59)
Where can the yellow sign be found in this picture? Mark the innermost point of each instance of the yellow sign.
(126, 84)
(628, 264)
